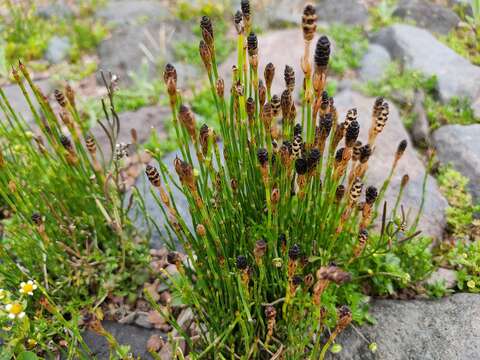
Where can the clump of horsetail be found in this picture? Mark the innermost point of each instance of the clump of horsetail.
(275, 207)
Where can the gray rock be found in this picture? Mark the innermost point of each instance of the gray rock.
(59, 10)
(134, 336)
(159, 235)
(445, 329)
(279, 13)
(476, 108)
(459, 145)
(127, 52)
(447, 276)
(142, 320)
(420, 127)
(143, 120)
(18, 102)
(133, 12)
(351, 12)
(428, 15)
(269, 45)
(419, 50)
(432, 220)
(137, 47)
(138, 40)
(58, 49)
(374, 63)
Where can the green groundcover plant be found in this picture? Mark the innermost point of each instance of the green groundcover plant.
(281, 251)
(68, 243)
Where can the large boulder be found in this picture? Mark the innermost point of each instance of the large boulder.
(277, 14)
(17, 99)
(428, 15)
(121, 13)
(374, 63)
(432, 220)
(446, 329)
(142, 36)
(350, 12)
(144, 121)
(459, 145)
(419, 50)
(58, 49)
(280, 47)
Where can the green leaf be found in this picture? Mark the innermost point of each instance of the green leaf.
(27, 355)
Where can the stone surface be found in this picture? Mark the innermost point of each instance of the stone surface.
(459, 145)
(134, 336)
(428, 15)
(445, 329)
(58, 49)
(432, 220)
(280, 13)
(17, 100)
(420, 128)
(131, 12)
(351, 12)
(59, 10)
(419, 50)
(144, 120)
(277, 14)
(270, 50)
(158, 233)
(476, 108)
(447, 276)
(144, 33)
(374, 63)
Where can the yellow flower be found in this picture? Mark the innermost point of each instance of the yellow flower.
(15, 310)
(28, 287)
(32, 342)
(471, 284)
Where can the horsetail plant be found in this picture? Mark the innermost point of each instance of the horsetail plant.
(279, 229)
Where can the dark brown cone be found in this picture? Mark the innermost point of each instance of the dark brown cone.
(252, 44)
(371, 195)
(351, 134)
(356, 190)
(322, 52)
(205, 55)
(250, 107)
(204, 133)
(357, 150)
(365, 152)
(262, 93)
(289, 76)
(60, 97)
(90, 144)
(153, 175)
(339, 193)
(269, 74)
(286, 102)
(309, 20)
(220, 87)
(276, 105)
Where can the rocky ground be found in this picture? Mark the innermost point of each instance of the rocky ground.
(143, 35)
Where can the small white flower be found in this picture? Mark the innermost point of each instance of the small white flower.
(28, 287)
(15, 310)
